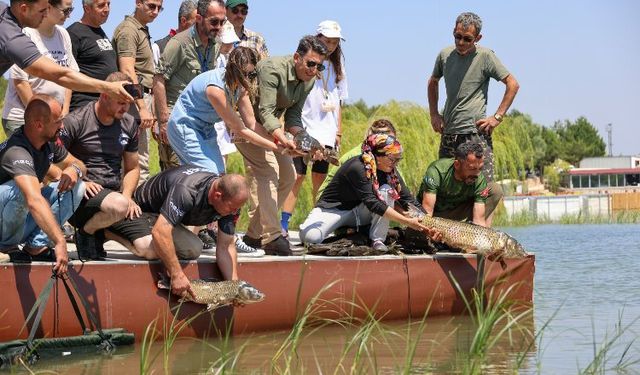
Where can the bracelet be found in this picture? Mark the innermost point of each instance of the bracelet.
(78, 170)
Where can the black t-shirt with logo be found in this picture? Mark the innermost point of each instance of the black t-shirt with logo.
(100, 147)
(95, 57)
(19, 157)
(181, 196)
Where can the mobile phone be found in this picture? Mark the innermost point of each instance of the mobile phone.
(134, 89)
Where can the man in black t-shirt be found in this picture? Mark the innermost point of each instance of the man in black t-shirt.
(185, 195)
(92, 48)
(30, 213)
(105, 137)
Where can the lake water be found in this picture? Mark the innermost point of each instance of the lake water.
(586, 284)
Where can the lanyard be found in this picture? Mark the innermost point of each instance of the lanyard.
(204, 60)
(325, 81)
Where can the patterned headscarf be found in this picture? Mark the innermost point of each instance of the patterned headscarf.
(381, 145)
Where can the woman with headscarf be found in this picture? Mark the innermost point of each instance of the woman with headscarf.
(365, 190)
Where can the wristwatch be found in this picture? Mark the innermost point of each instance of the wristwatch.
(498, 117)
(78, 170)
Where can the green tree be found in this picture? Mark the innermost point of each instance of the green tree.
(579, 140)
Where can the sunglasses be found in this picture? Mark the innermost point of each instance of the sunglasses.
(244, 11)
(217, 22)
(394, 160)
(66, 11)
(153, 7)
(467, 39)
(251, 75)
(317, 65)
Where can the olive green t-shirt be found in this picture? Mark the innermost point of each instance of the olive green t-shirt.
(131, 39)
(466, 79)
(450, 193)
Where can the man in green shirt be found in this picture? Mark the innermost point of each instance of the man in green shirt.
(456, 189)
(466, 69)
(187, 54)
(284, 83)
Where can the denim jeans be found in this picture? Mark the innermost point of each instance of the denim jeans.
(17, 224)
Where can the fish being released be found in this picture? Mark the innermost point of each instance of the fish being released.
(217, 294)
(472, 238)
(306, 143)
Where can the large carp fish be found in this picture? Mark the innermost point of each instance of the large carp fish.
(306, 143)
(477, 239)
(218, 293)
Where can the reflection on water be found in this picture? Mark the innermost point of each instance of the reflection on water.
(586, 275)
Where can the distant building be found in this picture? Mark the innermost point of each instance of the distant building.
(613, 173)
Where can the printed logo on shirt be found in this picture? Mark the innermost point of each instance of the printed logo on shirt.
(23, 162)
(50, 157)
(485, 193)
(123, 139)
(191, 171)
(3, 145)
(430, 181)
(104, 45)
(175, 209)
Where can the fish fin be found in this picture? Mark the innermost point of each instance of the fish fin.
(163, 281)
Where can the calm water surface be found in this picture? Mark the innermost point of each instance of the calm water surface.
(586, 284)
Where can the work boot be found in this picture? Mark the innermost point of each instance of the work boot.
(90, 247)
(279, 246)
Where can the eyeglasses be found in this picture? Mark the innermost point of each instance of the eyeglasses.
(217, 22)
(317, 65)
(153, 7)
(466, 38)
(251, 75)
(239, 9)
(66, 11)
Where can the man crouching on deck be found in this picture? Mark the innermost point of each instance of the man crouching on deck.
(176, 197)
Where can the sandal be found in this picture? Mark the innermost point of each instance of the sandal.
(48, 255)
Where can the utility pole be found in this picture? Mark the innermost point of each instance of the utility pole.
(610, 138)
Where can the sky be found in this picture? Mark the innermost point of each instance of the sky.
(572, 58)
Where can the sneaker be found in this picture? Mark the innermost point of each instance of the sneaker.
(90, 247)
(208, 241)
(279, 246)
(379, 246)
(244, 250)
(256, 243)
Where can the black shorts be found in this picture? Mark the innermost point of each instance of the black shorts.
(88, 208)
(131, 230)
(320, 166)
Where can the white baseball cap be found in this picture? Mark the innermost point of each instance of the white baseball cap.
(330, 29)
(227, 34)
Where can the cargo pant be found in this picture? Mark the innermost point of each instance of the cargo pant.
(271, 177)
(449, 143)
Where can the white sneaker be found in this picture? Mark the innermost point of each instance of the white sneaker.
(244, 250)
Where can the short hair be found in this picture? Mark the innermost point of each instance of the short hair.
(467, 148)
(470, 19)
(186, 7)
(203, 5)
(118, 76)
(381, 126)
(13, 2)
(311, 42)
(232, 185)
(38, 108)
(55, 2)
(87, 2)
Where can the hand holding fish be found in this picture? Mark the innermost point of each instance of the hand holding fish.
(181, 286)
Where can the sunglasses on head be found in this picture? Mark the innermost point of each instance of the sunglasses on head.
(153, 7)
(251, 75)
(66, 11)
(217, 22)
(317, 65)
(244, 11)
(467, 39)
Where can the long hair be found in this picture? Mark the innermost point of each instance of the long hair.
(234, 75)
(336, 60)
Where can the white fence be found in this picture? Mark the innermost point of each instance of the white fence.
(554, 207)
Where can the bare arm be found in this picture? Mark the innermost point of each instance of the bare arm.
(23, 89)
(130, 182)
(219, 102)
(69, 175)
(41, 212)
(490, 123)
(67, 102)
(478, 214)
(162, 240)
(226, 256)
(162, 108)
(437, 122)
(47, 69)
(429, 202)
(127, 66)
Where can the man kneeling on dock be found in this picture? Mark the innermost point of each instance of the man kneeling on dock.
(176, 197)
(32, 213)
(457, 189)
